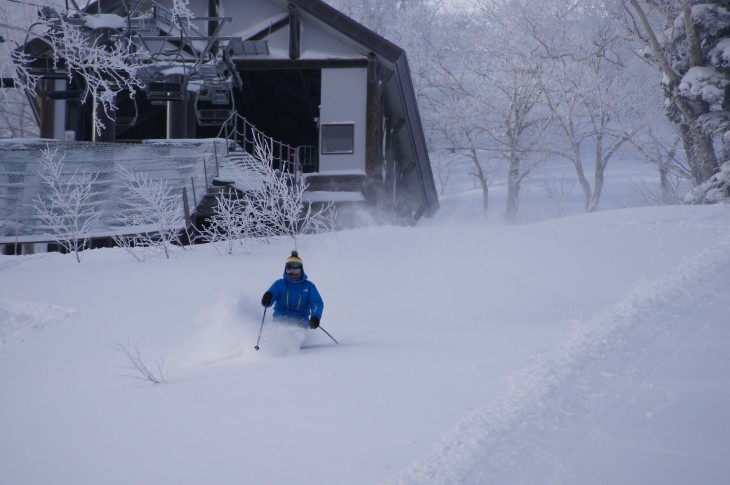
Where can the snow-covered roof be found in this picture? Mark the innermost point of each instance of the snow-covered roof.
(332, 196)
(104, 20)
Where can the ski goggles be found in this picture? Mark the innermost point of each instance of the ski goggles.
(290, 270)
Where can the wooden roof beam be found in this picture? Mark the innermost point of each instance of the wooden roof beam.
(295, 33)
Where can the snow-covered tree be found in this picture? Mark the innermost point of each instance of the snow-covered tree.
(385, 17)
(96, 50)
(450, 95)
(87, 47)
(689, 42)
(507, 72)
(278, 206)
(583, 67)
(66, 205)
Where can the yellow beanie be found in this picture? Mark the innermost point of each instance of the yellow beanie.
(294, 261)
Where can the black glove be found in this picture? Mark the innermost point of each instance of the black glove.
(313, 322)
(266, 299)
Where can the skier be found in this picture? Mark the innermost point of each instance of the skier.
(294, 297)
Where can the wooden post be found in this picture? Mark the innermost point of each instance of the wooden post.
(213, 12)
(205, 171)
(372, 119)
(295, 33)
(186, 207)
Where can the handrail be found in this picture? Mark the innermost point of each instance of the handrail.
(286, 158)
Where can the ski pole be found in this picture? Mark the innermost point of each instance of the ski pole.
(261, 329)
(328, 334)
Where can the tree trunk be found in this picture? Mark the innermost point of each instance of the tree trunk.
(597, 192)
(580, 174)
(666, 194)
(513, 188)
(482, 180)
(689, 152)
(701, 153)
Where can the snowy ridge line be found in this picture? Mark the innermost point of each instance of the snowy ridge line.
(485, 447)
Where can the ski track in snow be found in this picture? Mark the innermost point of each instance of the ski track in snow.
(581, 384)
(19, 319)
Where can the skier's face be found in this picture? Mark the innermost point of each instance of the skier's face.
(294, 272)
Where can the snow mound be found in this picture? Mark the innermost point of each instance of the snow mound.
(19, 319)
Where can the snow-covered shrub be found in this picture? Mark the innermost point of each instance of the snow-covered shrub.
(65, 205)
(232, 224)
(278, 206)
(716, 189)
(152, 213)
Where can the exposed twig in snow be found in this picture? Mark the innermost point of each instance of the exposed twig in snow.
(140, 370)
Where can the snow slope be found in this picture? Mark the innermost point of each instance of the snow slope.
(637, 395)
(587, 349)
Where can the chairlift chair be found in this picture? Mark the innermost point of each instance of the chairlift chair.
(214, 105)
(172, 88)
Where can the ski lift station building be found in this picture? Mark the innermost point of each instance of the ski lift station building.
(335, 98)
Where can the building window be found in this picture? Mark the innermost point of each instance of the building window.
(338, 138)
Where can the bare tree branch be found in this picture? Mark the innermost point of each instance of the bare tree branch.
(141, 371)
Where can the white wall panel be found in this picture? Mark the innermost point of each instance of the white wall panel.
(344, 94)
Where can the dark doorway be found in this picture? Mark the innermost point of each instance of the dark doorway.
(283, 103)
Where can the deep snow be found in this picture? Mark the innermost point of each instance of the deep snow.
(585, 349)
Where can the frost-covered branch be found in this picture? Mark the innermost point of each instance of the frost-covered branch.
(181, 12)
(103, 62)
(88, 48)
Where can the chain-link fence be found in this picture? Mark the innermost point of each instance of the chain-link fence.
(187, 166)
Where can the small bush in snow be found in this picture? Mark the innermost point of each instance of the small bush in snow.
(139, 368)
(232, 224)
(274, 208)
(279, 206)
(152, 212)
(65, 206)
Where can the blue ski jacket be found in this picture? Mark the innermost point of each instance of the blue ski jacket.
(296, 299)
